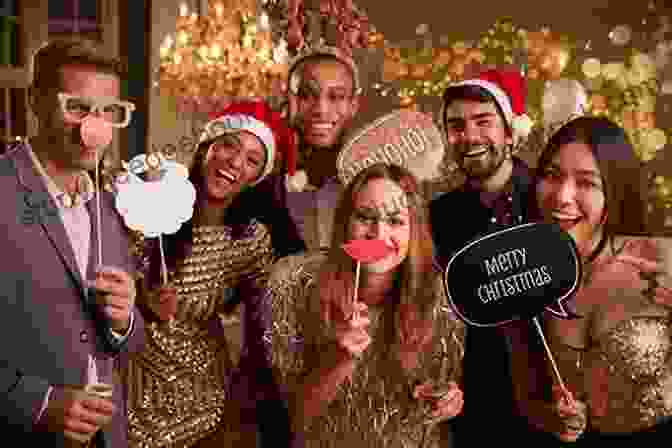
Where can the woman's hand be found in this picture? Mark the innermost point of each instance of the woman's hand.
(444, 402)
(660, 281)
(571, 416)
(351, 334)
(163, 302)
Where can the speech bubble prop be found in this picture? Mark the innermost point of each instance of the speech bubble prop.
(514, 274)
(157, 207)
(406, 138)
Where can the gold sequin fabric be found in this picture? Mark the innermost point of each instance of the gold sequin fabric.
(636, 353)
(375, 407)
(178, 386)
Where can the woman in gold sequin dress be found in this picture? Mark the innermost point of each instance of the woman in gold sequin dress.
(617, 357)
(381, 372)
(184, 389)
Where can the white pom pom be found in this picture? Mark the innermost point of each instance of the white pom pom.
(297, 182)
(522, 125)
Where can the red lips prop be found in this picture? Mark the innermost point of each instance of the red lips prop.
(367, 251)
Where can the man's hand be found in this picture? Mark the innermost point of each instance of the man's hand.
(445, 403)
(115, 292)
(76, 414)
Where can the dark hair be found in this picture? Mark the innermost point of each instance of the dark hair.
(622, 174)
(470, 93)
(177, 246)
(316, 59)
(49, 59)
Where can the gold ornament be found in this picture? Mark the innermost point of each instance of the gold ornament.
(591, 68)
(391, 69)
(458, 66)
(443, 57)
(419, 71)
(612, 70)
(475, 55)
(406, 101)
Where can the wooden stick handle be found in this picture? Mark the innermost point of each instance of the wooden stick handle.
(164, 268)
(99, 231)
(551, 358)
(355, 314)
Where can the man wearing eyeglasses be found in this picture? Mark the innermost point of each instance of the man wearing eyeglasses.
(67, 322)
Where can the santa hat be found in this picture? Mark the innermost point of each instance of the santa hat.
(509, 89)
(256, 117)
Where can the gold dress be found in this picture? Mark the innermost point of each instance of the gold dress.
(180, 386)
(632, 362)
(375, 408)
(624, 373)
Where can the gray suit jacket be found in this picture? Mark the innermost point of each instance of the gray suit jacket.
(48, 323)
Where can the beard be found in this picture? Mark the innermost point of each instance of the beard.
(67, 151)
(485, 165)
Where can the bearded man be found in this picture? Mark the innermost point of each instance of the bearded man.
(484, 120)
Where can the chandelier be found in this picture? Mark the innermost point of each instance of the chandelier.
(225, 52)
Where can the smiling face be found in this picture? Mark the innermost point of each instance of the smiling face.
(478, 135)
(325, 102)
(233, 162)
(571, 194)
(380, 212)
(62, 131)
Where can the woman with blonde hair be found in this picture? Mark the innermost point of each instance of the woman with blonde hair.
(381, 371)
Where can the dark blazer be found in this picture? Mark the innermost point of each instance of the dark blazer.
(48, 322)
(457, 217)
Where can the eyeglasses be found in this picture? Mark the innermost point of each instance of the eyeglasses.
(112, 110)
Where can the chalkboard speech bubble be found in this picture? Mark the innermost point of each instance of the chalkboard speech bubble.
(513, 274)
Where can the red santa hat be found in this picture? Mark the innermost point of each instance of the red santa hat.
(509, 89)
(257, 117)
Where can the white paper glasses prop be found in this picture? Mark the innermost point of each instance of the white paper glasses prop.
(159, 206)
(515, 274)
